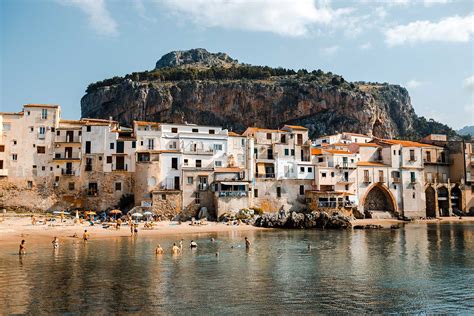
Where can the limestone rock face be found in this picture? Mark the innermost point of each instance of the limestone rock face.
(322, 102)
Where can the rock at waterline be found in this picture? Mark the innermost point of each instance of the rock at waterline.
(303, 220)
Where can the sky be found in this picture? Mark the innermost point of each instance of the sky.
(50, 50)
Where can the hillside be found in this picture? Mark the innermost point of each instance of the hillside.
(205, 88)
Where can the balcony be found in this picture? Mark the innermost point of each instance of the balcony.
(345, 180)
(435, 162)
(412, 159)
(68, 172)
(203, 186)
(67, 156)
(265, 175)
(233, 193)
(67, 140)
(208, 151)
(119, 168)
(396, 179)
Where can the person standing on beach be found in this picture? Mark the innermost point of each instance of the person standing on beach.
(22, 250)
(33, 220)
(132, 226)
(85, 236)
(247, 243)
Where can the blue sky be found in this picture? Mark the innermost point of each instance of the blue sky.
(52, 49)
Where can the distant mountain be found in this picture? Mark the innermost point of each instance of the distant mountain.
(214, 89)
(467, 130)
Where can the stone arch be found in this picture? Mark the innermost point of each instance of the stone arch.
(456, 198)
(443, 201)
(378, 198)
(430, 194)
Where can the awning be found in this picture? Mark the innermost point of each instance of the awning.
(234, 183)
(260, 168)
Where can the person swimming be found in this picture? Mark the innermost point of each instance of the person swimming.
(309, 246)
(55, 243)
(175, 249)
(181, 244)
(159, 250)
(193, 244)
(22, 250)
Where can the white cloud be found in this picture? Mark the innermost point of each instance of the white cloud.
(469, 83)
(366, 46)
(283, 17)
(329, 51)
(429, 3)
(98, 15)
(413, 84)
(426, 3)
(451, 29)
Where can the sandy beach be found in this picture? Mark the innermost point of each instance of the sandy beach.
(13, 228)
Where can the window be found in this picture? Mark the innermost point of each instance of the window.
(412, 177)
(174, 130)
(120, 147)
(112, 145)
(29, 184)
(412, 155)
(310, 169)
(198, 163)
(109, 159)
(118, 186)
(197, 199)
(88, 128)
(381, 176)
(366, 176)
(278, 191)
(88, 147)
(255, 192)
(211, 131)
(28, 113)
(43, 168)
(71, 186)
(34, 166)
(292, 152)
(44, 114)
(269, 136)
(174, 163)
(42, 130)
(163, 197)
(428, 156)
(394, 152)
(299, 139)
(1, 164)
(301, 189)
(58, 133)
(151, 144)
(287, 152)
(34, 145)
(14, 142)
(320, 159)
(14, 157)
(414, 195)
(323, 174)
(347, 187)
(301, 169)
(50, 168)
(2, 148)
(190, 180)
(56, 179)
(332, 174)
(172, 145)
(218, 163)
(217, 147)
(399, 152)
(195, 130)
(134, 144)
(31, 129)
(52, 129)
(41, 149)
(93, 189)
(283, 138)
(242, 142)
(186, 162)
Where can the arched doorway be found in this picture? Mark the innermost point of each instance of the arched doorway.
(430, 194)
(379, 203)
(456, 198)
(443, 202)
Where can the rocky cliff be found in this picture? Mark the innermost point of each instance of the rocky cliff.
(204, 88)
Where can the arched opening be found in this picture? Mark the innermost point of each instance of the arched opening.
(456, 199)
(430, 202)
(443, 203)
(378, 203)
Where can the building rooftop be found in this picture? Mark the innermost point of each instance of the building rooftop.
(371, 164)
(251, 130)
(404, 143)
(146, 123)
(53, 106)
(297, 127)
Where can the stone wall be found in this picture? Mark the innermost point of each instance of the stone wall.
(167, 203)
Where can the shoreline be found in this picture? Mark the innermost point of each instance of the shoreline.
(17, 227)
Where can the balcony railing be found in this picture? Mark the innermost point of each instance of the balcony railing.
(396, 179)
(67, 139)
(233, 193)
(346, 180)
(68, 172)
(203, 186)
(120, 167)
(208, 151)
(265, 175)
(64, 156)
(334, 204)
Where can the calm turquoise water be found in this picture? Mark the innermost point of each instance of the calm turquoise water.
(422, 268)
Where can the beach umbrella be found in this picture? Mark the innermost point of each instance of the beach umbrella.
(137, 215)
(115, 212)
(90, 213)
(147, 213)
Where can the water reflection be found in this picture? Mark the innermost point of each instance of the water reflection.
(417, 269)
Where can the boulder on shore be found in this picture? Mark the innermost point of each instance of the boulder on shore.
(284, 219)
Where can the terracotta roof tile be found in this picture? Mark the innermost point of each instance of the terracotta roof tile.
(296, 127)
(371, 164)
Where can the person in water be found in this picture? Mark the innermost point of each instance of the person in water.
(85, 236)
(247, 243)
(159, 250)
(181, 244)
(175, 249)
(22, 250)
(55, 243)
(193, 244)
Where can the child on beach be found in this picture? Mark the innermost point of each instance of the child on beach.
(22, 250)
(85, 236)
(55, 243)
